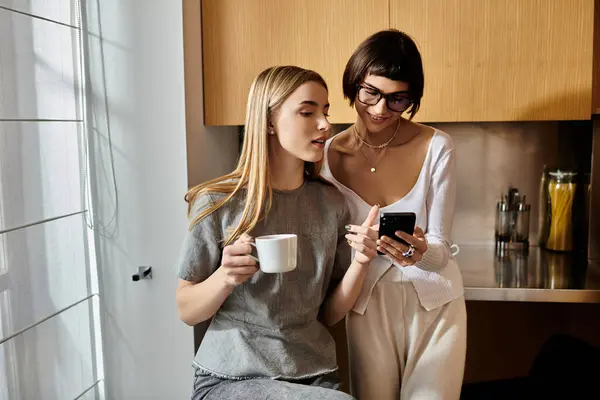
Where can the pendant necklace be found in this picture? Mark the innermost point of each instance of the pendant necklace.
(382, 147)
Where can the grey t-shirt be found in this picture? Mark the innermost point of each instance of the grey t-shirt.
(268, 326)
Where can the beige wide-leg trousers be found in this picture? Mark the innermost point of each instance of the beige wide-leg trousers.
(398, 350)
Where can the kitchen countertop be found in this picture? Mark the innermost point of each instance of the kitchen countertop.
(496, 273)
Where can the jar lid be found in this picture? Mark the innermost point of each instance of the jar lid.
(559, 174)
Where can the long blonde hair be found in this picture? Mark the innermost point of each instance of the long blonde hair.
(268, 91)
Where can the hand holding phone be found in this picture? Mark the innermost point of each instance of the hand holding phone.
(391, 222)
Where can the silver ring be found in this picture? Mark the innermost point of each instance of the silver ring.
(410, 252)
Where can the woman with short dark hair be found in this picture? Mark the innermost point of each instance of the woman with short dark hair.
(407, 330)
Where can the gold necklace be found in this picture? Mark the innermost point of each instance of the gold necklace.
(379, 146)
(373, 167)
(374, 147)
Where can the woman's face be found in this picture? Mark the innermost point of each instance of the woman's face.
(301, 123)
(378, 117)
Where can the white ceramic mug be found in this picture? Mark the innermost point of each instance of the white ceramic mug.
(276, 253)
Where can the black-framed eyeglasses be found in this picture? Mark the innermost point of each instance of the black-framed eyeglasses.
(370, 96)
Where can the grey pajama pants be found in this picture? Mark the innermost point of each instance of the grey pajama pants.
(321, 388)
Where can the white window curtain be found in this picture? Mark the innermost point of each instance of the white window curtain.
(49, 322)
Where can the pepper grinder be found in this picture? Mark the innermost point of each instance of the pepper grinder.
(522, 212)
(503, 221)
(512, 218)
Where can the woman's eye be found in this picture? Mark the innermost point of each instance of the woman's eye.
(306, 113)
(326, 115)
(400, 100)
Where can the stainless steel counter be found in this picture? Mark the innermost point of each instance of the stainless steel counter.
(532, 275)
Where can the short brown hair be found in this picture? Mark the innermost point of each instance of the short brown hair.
(391, 54)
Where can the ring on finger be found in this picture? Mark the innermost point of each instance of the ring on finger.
(410, 252)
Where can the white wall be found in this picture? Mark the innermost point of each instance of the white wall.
(137, 68)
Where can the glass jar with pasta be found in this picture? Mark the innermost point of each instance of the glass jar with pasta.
(561, 189)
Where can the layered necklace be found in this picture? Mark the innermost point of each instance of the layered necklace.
(383, 147)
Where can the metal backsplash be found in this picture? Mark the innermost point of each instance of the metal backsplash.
(493, 156)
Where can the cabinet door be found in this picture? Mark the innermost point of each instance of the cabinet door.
(242, 37)
(596, 79)
(502, 60)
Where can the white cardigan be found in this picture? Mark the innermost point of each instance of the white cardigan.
(436, 277)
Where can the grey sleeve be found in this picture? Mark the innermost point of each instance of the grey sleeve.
(343, 253)
(200, 253)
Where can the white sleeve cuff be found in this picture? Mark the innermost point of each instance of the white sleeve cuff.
(435, 258)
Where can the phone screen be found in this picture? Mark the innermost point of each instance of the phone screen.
(390, 223)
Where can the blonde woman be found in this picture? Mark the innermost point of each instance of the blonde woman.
(267, 338)
(407, 331)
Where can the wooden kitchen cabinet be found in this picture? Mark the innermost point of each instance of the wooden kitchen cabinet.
(502, 60)
(484, 60)
(240, 38)
(596, 79)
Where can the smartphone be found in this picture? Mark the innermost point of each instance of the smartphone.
(391, 222)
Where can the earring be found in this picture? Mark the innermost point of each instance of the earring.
(271, 132)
